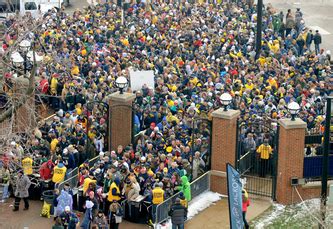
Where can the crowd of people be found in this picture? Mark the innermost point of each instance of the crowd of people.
(197, 52)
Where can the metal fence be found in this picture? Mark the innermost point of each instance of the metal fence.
(198, 186)
(73, 176)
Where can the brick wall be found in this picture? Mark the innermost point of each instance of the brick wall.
(120, 122)
(290, 162)
(223, 149)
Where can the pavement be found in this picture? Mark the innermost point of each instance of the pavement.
(317, 15)
(217, 215)
(214, 217)
(31, 219)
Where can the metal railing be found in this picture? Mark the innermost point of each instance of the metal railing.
(73, 176)
(198, 186)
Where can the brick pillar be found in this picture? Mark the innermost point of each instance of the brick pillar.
(120, 120)
(223, 147)
(25, 119)
(290, 158)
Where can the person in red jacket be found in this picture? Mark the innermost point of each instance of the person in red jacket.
(45, 173)
(246, 203)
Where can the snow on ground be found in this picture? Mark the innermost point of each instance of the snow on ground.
(301, 215)
(278, 210)
(195, 206)
(202, 202)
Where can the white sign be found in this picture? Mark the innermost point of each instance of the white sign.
(140, 78)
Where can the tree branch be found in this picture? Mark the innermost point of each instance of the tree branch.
(17, 104)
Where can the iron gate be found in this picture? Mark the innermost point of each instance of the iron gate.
(201, 136)
(254, 161)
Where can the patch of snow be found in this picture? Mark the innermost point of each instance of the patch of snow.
(196, 205)
(278, 210)
(202, 202)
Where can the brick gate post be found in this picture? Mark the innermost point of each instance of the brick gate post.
(223, 147)
(120, 119)
(290, 158)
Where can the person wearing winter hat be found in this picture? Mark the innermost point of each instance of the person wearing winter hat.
(88, 215)
(178, 214)
(157, 197)
(69, 219)
(22, 190)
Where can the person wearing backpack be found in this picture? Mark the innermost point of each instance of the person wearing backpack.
(178, 215)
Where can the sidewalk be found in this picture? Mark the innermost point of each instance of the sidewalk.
(32, 220)
(317, 15)
(217, 216)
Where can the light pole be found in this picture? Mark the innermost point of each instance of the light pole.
(225, 100)
(293, 109)
(324, 177)
(24, 47)
(121, 83)
(259, 28)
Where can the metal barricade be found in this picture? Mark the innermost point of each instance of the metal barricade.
(73, 176)
(161, 213)
(198, 186)
(93, 161)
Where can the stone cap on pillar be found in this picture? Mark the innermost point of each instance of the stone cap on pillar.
(288, 124)
(122, 98)
(229, 114)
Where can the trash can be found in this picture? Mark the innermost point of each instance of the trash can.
(48, 197)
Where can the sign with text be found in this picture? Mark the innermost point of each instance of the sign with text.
(234, 198)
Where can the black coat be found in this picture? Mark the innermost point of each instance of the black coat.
(317, 39)
(178, 214)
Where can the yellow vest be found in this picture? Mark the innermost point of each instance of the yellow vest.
(27, 166)
(59, 174)
(86, 183)
(112, 197)
(158, 195)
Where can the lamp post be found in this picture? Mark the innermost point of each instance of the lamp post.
(293, 109)
(24, 47)
(325, 158)
(121, 83)
(226, 100)
(17, 59)
(259, 28)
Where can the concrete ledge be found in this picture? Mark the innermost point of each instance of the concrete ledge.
(288, 124)
(229, 114)
(316, 184)
(123, 98)
(218, 173)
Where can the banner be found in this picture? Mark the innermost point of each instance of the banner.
(140, 78)
(234, 198)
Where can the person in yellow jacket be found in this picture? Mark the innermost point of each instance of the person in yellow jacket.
(54, 84)
(87, 181)
(264, 152)
(59, 173)
(27, 165)
(157, 197)
(114, 191)
(274, 46)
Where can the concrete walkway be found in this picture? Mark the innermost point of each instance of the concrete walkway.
(31, 219)
(317, 15)
(217, 216)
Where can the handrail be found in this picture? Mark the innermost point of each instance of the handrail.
(208, 173)
(73, 174)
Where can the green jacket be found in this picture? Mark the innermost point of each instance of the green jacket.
(186, 188)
